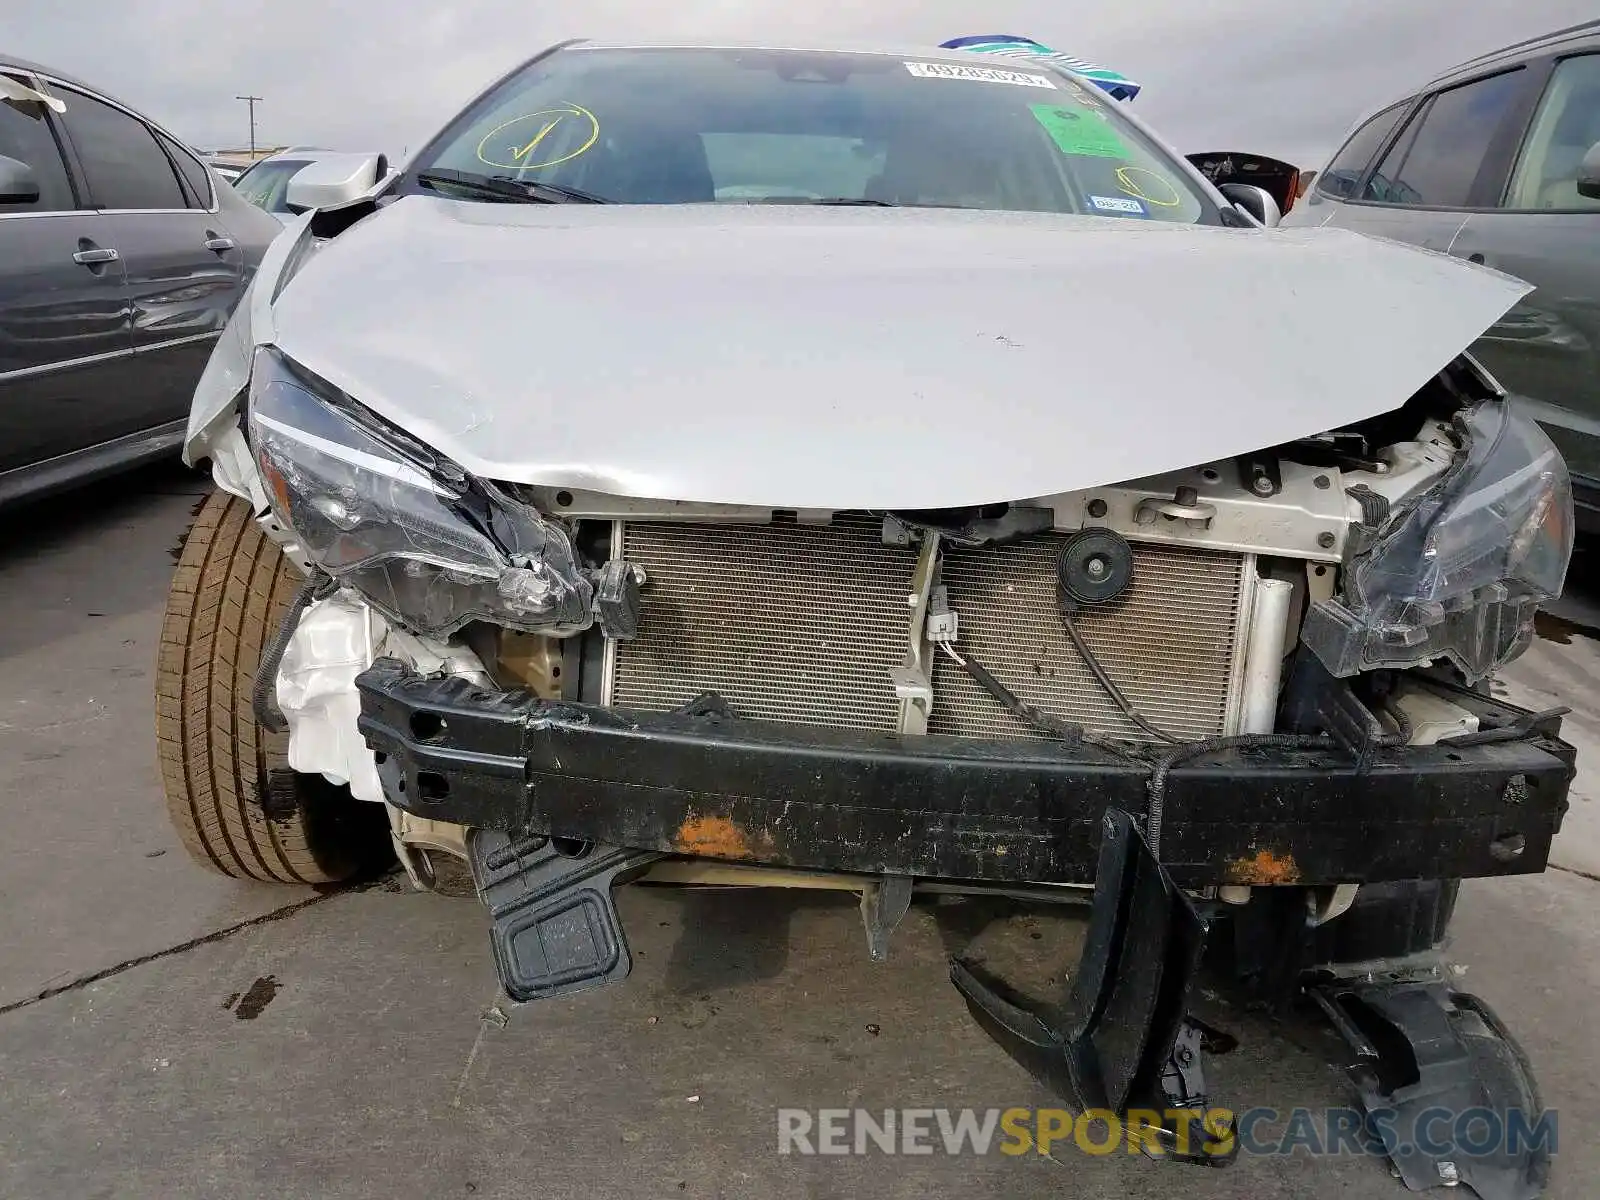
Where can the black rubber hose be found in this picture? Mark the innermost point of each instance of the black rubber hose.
(1067, 604)
(264, 691)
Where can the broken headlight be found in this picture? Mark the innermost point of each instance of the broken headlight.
(1459, 573)
(427, 544)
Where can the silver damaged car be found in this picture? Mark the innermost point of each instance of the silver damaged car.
(753, 464)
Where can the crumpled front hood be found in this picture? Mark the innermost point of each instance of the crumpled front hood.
(864, 358)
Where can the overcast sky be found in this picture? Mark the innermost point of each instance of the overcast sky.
(1274, 77)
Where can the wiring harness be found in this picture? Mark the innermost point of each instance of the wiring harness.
(1096, 568)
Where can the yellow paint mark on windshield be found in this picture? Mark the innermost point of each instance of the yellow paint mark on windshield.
(514, 144)
(1127, 180)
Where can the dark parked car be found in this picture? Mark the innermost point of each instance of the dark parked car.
(121, 259)
(1498, 162)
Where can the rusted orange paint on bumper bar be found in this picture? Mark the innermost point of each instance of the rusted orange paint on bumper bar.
(1264, 867)
(712, 837)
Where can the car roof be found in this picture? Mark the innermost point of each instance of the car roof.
(917, 51)
(1560, 39)
(307, 154)
(11, 63)
(1572, 36)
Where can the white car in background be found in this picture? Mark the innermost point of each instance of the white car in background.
(266, 183)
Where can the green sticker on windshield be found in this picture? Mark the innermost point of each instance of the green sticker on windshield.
(1079, 131)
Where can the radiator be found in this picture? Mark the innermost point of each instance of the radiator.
(804, 623)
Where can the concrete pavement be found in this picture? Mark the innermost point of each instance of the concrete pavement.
(249, 1041)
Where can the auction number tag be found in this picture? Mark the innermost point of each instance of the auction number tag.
(931, 70)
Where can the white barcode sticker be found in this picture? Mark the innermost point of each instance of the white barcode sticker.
(933, 70)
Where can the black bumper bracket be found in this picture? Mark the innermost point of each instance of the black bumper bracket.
(884, 904)
(1122, 1039)
(553, 924)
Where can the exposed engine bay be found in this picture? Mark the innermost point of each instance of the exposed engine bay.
(1159, 611)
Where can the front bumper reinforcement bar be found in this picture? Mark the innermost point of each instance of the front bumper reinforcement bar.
(810, 798)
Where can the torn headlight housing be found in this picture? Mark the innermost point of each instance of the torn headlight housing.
(1458, 573)
(426, 543)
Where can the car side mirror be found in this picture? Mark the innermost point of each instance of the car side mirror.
(18, 183)
(1589, 174)
(335, 181)
(1255, 201)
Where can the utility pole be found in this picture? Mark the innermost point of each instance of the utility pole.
(252, 101)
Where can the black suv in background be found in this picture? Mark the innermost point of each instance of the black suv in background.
(121, 259)
(1498, 162)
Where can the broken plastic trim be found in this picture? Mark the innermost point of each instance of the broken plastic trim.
(1423, 1048)
(553, 925)
(1122, 1040)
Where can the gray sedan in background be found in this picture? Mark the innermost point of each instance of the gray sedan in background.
(1498, 162)
(121, 258)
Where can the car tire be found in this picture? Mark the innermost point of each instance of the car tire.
(237, 806)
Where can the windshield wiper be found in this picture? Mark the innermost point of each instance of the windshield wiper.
(830, 201)
(838, 201)
(503, 187)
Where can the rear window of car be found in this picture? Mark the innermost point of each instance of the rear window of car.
(1566, 128)
(662, 126)
(125, 166)
(1438, 157)
(196, 176)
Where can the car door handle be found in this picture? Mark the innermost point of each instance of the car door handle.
(100, 254)
(219, 244)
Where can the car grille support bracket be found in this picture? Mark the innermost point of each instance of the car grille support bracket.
(913, 681)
